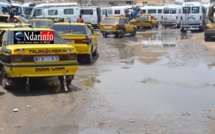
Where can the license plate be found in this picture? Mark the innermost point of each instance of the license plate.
(45, 58)
(107, 26)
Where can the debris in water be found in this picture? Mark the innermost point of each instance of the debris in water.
(15, 110)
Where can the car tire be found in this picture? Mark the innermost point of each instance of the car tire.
(89, 58)
(105, 35)
(207, 38)
(116, 35)
(134, 33)
(122, 34)
(182, 30)
(3, 79)
(95, 52)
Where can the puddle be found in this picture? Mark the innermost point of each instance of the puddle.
(157, 89)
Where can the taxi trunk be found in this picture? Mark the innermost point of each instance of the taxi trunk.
(40, 60)
(81, 42)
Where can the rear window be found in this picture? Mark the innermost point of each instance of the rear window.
(143, 18)
(110, 21)
(23, 19)
(70, 29)
(195, 10)
(41, 24)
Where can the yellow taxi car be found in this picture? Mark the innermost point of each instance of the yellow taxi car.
(117, 25)
(81, 36)
(145, 20)
(35, 52)
(4, 18)
(41, 23)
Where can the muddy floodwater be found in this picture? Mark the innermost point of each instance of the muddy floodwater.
(161, 81)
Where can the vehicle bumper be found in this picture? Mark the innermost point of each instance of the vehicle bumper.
(82, 48)
(111, 31)
(169, 23)
(191, 27)
(209, 32)
(40, 70)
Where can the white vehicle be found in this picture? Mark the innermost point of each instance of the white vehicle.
(156, 11)
(91, 14)
(172, 15)
(70, 10)
(5, 8)
(193, 16)
(106, 11)
(17, 9)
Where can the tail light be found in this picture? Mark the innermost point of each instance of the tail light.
(176, 17)
(87, 40)
(161, 17)
(16, 58)
(181, 18)
(68, 57)
(200, 17)
(207, 27)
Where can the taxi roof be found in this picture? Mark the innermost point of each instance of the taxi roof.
(29, 29)
(7, 15)
(70, 23)
(40, 19)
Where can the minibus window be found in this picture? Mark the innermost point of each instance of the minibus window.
(143, 12)
(87, 11)
(117, 12)
(104, 11)
(52, 12)
(151, 11)
(166, 11)
(172, 11)
(160, 11)
(68, 11)
(37, 12)
(110, 11)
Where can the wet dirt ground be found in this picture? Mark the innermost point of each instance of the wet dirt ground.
(161, 81)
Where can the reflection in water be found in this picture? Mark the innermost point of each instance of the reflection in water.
(90, 82)
(158, 89)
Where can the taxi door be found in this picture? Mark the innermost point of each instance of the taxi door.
(154, 21)
(129, 27)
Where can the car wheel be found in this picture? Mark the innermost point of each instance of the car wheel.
(122, 35)
(182, 30)
(116, 35)
(95, 52)
(105, 35)
(89, 58)
(207, 38)
(4, 80)
(134, 33)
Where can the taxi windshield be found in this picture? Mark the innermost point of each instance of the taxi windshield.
(40, 24)
(57, 38)
(70, 29)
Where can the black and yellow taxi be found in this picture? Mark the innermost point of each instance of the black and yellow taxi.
(35, 52)
(145, 20)
(41, 23)
(4, 18)
(117, 25)
(81, 36)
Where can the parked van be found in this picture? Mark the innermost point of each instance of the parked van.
(193, 16)
(91, 14)
(172, 15)
(5, 8)
(46, 10)
(156, 11)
